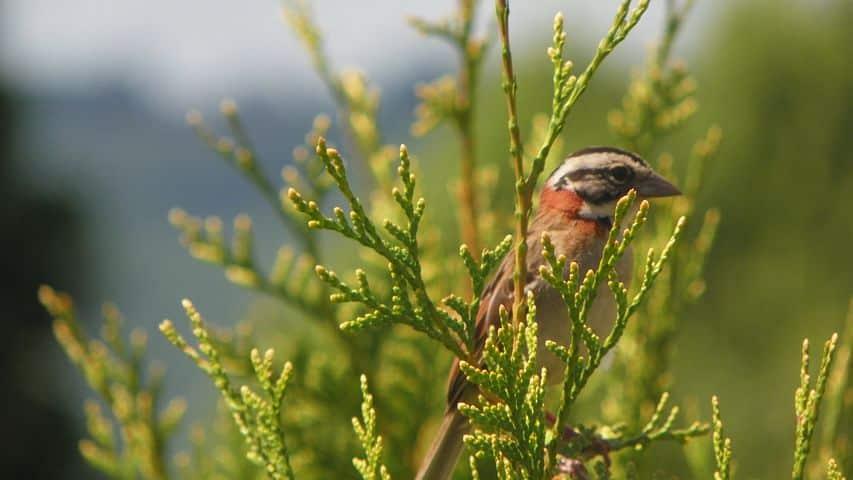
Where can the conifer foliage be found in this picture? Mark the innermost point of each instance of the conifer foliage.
(409, 301)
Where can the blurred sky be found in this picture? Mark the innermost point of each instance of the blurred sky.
(190, 51)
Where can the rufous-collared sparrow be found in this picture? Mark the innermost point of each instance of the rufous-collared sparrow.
(576, 209)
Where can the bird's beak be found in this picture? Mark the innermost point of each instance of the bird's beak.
(656, 186)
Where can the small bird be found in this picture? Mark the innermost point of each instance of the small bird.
(576, 208)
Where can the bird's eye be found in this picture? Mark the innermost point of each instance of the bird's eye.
(620, 173)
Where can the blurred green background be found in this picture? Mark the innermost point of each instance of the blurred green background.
(776, 76)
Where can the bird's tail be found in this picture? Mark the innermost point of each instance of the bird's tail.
(444, 452)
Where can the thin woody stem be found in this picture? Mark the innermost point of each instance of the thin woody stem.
(467, 190)
(674, 18)
(469, 70)
(523, 194)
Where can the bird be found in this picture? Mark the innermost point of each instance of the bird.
(576, 207)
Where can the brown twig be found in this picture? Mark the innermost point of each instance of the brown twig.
(471, 56)
(523, 195)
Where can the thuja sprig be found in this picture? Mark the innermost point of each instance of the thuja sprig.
(807, 401)
(237, 151)
(357, 102)
(410, 303)
(113, 369)
(722, 444)
(449, 99)
(508, 420)
(288, 279)
(661, 98)
(659, 427)
(509, 425)
(579, 293)
(567, 89)
(478, 272)
(834, 438)
(833, 472)
(258, 418)
(370, 467)
(582, 444)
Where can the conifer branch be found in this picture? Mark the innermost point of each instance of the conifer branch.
(580, 445)
(578, 295)
(478, 272)
(114, 370)
(523, 204)
(722, 445)
(659, 100)
(807, 401)
(510, 428)
(834, 438)
(410, 302)
(455, 100)
(357, 102)
(289, 278)
(833, 472)
(370, 467)
(237, 152)
(658, 428)
(258, 418)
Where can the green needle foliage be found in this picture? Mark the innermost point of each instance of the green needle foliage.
(578, 295)
(114, 370)
(510, 426)
(453, 99)
(358, 103)
(257, 418)
(807, 402)
(722, 445)
(370, 467)
(659, 427)
(509, 420)
(410, 302)
(836, 420)
(406, 308)
(660, 100)
(833, 472)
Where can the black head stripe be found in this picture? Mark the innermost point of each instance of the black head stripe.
(589, 173)
(599, 193)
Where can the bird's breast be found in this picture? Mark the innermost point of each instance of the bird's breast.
(552, 314)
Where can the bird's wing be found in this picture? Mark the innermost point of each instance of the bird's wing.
(499, 292)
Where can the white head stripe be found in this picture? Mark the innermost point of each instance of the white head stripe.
(588, 161)
(561, 172)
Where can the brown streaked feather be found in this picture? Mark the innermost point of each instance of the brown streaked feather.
(499, 292)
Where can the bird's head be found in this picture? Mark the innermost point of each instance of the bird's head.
(590, 181)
